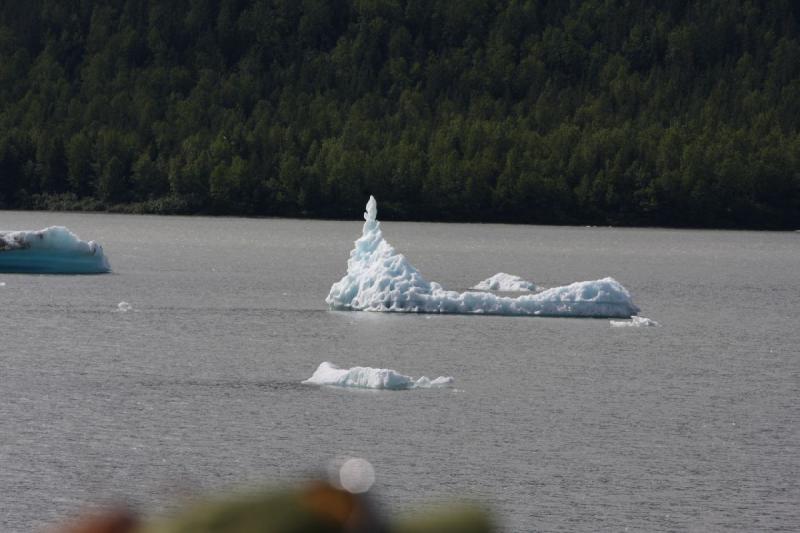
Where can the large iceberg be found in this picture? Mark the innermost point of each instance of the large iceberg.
(364, 377)
(380, 279)
(53, 250)
(506, 282)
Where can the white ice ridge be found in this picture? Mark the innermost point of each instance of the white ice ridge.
(363, 377)
(505, 282)
(635, 322)
(380, 279)
(53, 250)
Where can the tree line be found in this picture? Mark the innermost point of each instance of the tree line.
(669, 112)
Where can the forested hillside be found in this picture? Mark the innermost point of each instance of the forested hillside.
(599, 111)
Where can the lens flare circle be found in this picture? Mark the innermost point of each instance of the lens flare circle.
(357, 475)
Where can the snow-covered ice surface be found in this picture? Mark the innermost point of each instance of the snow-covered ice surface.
(363, 377)
(380, 279)
(634, 322)
(53, 250)
(505, 282)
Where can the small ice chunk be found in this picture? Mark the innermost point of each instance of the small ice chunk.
(380, 279)
(53, 250)
(442, 381)
(124, 307)
(634, 322)
(363, 377)
(2, 283)
(505, 282)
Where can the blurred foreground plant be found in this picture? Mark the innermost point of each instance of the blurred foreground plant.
(314, 508)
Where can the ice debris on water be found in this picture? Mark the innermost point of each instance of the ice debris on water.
(124, 307)
(634, 322)
(380, 279)
(363, 377)
(53, 250)
(505, 282)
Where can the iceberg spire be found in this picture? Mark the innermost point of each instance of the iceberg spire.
(380, 279)
(372, 210)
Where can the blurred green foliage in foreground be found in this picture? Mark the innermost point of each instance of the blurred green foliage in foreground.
(315, 508)
(677, 113)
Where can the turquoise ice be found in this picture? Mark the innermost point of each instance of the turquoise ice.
(53, 250)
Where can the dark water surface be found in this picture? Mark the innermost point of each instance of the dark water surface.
(557, 424)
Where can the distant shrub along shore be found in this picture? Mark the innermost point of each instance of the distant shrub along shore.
(665, 113)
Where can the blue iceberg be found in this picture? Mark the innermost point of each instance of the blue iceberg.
(380, 279)
(53, 250)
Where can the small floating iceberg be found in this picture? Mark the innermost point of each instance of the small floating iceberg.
(505, 282)
(363, 377)
(53, 250)
(380, 279)
(635, 322)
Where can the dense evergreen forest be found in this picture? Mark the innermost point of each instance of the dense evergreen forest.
(668, 112)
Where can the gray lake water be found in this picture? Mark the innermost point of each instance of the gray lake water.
(555, 424)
